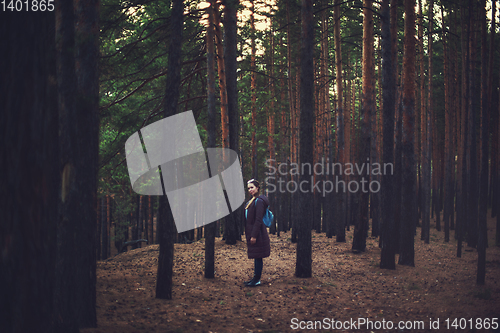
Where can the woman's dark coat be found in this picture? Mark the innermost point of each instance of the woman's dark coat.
(254, 227)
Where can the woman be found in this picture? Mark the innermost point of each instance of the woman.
(258, 244)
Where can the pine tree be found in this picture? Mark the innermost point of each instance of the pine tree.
(166, 225)
(303, 266)
(367, 112)
(388, 236)
(408, 204)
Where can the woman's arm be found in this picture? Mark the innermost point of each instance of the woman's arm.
(259, 214)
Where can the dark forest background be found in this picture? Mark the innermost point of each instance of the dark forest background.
(410, 83)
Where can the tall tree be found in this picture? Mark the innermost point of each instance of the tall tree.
(484, 140)
(408, 204)
(253, 89)
(271, 117)
(341, 194)
(463, 146)
(449, 148)
(420, 108)
(87, 104)
(284, 214)
(494, 169)
(422, 147)
(290, 197)
(211, 129)
(65, 294)
(77, 54)
(221, 69)
(30, 171)
(367, 111)
(497, 203)
(230, 51)
(326, 117)
(397, 123)
(166, 224)
(388, 235)
(473, 106)
(497, 233)
(432, 128)
(428, 173)
(303, 266)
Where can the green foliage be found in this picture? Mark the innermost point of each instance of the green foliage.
(134, 53)
(134, 41)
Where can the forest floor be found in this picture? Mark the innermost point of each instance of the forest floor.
(345, 287)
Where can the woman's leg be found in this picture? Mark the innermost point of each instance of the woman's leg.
(258, 264)
(255, 281)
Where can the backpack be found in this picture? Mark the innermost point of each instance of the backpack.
(268, 216)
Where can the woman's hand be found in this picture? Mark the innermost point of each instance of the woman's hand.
(253, 240)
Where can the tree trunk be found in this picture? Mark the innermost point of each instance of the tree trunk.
(367, 111)
(430, 173)
(221, 69)
(223, 95)
(166, 223)
(463, 191)
(375, 154)
(387, 235)
(158, 218)
(348, 134)
(483, 181)
(419, 135)
(149, 237)
(230, 48)
(30, 171)
(283, 216)
(497, 233)
(65, 294)
(87, 110)
(253, 87)
(448, 149)
(494, 168)
(408, 204)
(78, 87)
(137, 234)
(340, 194)
(271, 123)
(472, 202)
(292, 113)
(211, 131)
(294, 156)
(104, 228)
(425, 163)
(304, 250)
(98, 229)
(497, 183)
(455, 122)
(397, 123)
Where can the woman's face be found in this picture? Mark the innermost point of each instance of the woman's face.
(252, 189)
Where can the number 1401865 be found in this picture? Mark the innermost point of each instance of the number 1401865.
(27, 5)
(472, 324)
